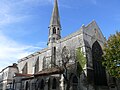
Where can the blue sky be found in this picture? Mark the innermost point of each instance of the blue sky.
(24, 23)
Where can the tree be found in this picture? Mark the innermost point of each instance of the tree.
(112, 55)
(64, 57)
(65, 60)
(81, 60)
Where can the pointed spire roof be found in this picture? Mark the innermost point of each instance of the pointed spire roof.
(55, 19)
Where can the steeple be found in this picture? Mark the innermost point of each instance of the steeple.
(54, 27)
(55, 19)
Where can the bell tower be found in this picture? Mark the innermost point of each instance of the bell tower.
(54, 27)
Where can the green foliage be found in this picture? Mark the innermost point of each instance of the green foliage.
(80, 59)
(112, 55)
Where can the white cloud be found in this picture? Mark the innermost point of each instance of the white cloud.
(13, 11)
(7, 13)
(8, 19)
(11, 51)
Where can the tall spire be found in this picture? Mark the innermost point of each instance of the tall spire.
(54, 27)
(54, 32)
(55, 19)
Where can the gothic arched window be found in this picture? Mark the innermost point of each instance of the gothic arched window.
(54, 83)
(65, 55)
(75, 83)
(54, 54)
(25, 68)
(37, 65)
(49, 84)
(26, 86)
(54, 30)
(42, 85)
(99, 70)
(44, 63)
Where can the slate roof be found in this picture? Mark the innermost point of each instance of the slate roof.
(55, 18)
(49, 71)
(23, 75)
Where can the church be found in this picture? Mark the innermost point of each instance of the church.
(57, 68)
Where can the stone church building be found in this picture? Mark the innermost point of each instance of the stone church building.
(56, 67)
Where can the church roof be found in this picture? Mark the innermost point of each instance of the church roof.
(53, 70)
(55, 19)
(49, 71)
(21, 75)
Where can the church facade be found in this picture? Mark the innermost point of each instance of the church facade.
(56, 67)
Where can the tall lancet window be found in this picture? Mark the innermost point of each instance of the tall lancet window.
(99, 70)
(37, 65)
(25, 69)
(54, 84)
(54, 53)
(44, 63)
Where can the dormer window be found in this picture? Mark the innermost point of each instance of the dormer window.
(54, 30)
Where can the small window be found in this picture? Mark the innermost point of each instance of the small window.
(54, 83)
(54, 30)
(53, 39)
(42, 85)
(112, 86)
(26, 86)
(49, 84)
(75, 80)
(75, 83)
